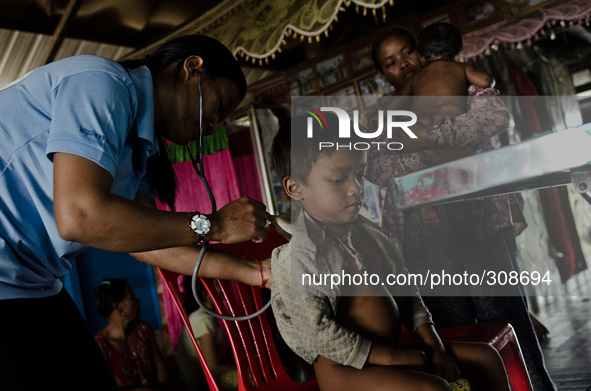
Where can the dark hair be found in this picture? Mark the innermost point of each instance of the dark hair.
(440, 40)
(377, 44)
(293, 153)
(109, 292)
(218, 63)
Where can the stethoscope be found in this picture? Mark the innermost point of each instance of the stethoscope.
(199, 169)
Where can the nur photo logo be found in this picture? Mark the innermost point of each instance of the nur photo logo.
(402, 119)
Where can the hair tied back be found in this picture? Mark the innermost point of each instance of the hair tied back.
(148, 60)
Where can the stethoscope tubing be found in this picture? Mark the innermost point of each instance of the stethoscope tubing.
(200, 170)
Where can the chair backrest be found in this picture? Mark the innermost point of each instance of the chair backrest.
(252, 341)
(170, 280)
(254, 347)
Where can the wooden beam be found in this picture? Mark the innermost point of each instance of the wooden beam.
(61, 30)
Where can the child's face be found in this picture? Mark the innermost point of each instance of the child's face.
(399, 59)
(335, 191)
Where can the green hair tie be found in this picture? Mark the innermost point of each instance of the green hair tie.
(106, 283)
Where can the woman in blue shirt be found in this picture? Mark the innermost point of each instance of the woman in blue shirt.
(81, 162)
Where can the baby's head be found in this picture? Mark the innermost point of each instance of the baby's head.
(440, 41)
(327, 183)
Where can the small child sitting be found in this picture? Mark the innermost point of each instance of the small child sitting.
(442, 81)
(351, 332)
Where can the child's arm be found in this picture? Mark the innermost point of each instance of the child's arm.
(305, 317)
(478, 78)
(416, 317)
(440, 362)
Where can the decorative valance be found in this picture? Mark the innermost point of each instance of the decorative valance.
(540, 24)
(256, 29)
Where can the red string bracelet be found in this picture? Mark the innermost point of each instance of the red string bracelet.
(261, 270)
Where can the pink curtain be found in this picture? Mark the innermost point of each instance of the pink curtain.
(231, 175)
(220, 173)
(191, 196)
(246, 170)
(245, 164)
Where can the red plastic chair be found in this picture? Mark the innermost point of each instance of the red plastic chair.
(252, 341)
(254, 348)
(499, 335)
(170, 280)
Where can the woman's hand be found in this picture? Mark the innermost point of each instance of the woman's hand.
(238, 221)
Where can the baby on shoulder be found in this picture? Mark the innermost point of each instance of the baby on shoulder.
(443, 82)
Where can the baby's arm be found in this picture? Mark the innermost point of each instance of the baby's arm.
(478, 78)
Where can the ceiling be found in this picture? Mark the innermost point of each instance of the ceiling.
(128, 25)
(353, 26)
(115, 28)
(133, 23)
(138, 23)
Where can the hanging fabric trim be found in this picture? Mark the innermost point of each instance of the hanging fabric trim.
(263, 28)
(211, 144)
(256, 30)
(539, 24)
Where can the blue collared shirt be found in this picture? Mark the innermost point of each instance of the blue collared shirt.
(84, 105)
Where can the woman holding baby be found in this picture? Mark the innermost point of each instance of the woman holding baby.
(454, 235)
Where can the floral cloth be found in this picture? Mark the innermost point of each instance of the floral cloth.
(134, 367)
(487, 116)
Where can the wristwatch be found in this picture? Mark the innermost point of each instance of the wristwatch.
(200, 225)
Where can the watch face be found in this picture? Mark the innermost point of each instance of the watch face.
(200, 224)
